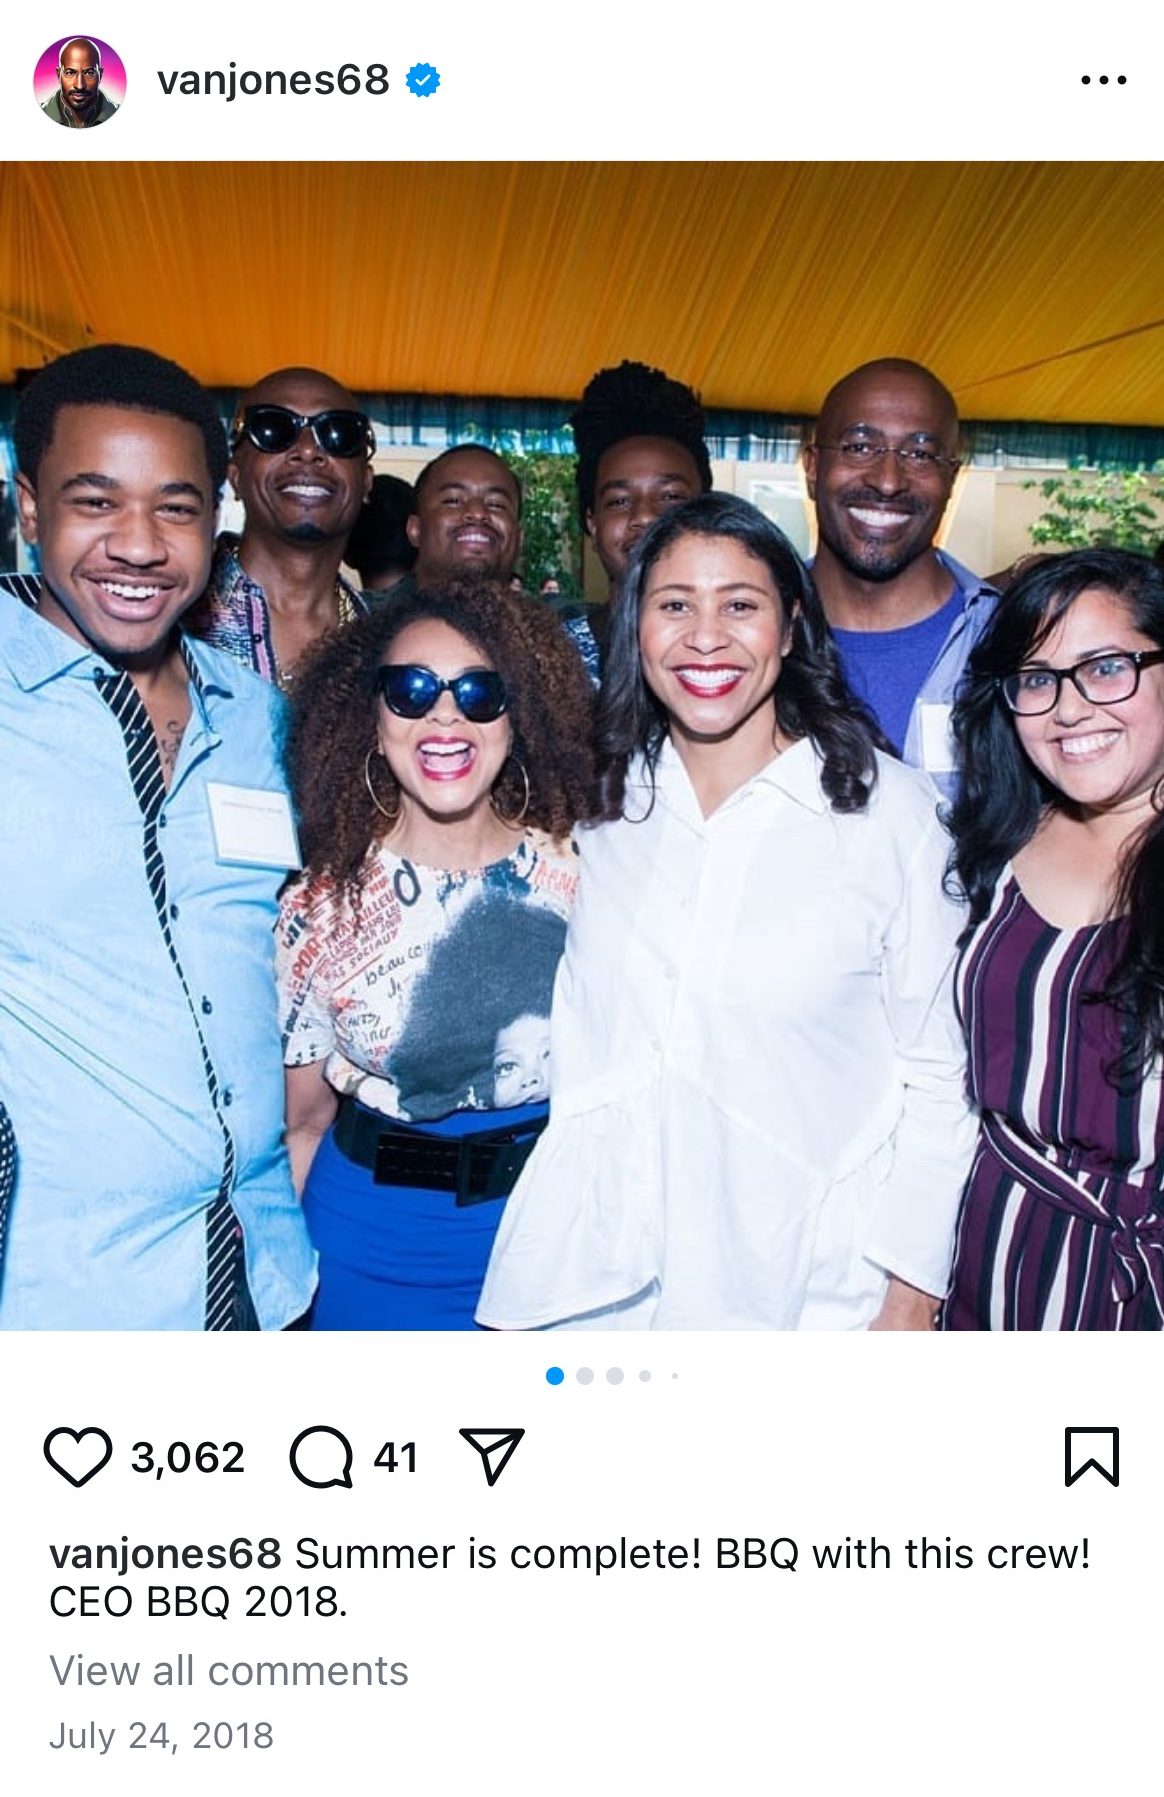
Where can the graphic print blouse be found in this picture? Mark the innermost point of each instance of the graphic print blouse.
(433, 995)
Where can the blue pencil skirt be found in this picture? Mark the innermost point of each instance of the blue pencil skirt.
(397, 1257)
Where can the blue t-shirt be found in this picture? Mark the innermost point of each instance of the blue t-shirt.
(888, 668)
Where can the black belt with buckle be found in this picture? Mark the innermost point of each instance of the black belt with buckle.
(476, 1167)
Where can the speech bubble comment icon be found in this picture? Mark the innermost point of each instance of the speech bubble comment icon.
(321, 1457)
(77, 1454)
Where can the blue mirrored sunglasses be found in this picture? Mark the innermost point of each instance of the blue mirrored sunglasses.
(411, 691)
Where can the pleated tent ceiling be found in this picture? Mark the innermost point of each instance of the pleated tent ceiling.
(1035, 290)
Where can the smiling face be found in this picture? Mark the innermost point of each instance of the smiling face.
(301, 495)
(442, 764)
(637, 480)
(713, 633)
(466, 519)
(122, 515)
(876, 521)
(1100, 757)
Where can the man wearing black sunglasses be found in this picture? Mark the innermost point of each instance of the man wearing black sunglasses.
(301, 463)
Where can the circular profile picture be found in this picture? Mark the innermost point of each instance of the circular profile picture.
(79, 82)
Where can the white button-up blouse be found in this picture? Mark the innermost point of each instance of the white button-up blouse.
(758, 1108)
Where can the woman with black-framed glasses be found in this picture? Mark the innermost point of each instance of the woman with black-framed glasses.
(440, 757)
(1059, 833)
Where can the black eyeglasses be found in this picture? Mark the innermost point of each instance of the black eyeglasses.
(411, 691)
(274, 429)
(867, 452)
(1100, 679)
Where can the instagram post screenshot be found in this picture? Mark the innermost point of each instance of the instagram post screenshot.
(582, 901)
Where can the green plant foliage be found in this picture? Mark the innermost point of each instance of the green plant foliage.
(1111, 511)
(551, 535)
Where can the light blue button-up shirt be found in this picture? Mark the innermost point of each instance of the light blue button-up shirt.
(102, 1065)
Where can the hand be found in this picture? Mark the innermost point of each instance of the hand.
(904, 1307)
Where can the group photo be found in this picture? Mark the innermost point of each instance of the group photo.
(583, 747)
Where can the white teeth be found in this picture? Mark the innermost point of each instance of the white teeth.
(445, 749)
(710, 679)
(1087, 745)
(306, 492)
(125, 592)
(877, 518)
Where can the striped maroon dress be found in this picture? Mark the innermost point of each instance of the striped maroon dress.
(1062, 1223)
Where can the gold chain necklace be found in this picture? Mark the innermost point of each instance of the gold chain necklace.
(285, 677)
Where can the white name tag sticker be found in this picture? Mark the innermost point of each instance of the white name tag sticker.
(252, 828)
(937, 744)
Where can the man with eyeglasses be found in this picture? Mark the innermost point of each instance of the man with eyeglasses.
(301, 463)
(905, 615)
(78, 101)
(147, 829)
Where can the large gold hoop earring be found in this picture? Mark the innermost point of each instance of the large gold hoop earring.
(497, 811)
(381, 808)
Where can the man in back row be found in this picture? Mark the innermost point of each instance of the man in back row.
(905, 615)
(147, 830)
(466, 519)
(641, 450)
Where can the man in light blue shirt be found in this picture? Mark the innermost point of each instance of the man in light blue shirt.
(905, 615)
(146, 831)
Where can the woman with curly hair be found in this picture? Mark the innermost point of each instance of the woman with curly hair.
(1059, 848)
(758, 1116)
(440, 757)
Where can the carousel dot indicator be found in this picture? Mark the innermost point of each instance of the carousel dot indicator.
(645, 1376)
(554, 1375)
(584, 1375)
(614, 1375)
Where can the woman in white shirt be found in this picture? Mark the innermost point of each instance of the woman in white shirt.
(758, 1117)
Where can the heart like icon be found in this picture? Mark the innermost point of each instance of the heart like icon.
(77, 1454)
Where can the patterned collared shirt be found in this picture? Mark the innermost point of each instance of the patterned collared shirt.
(233, 614)
(139, 1043)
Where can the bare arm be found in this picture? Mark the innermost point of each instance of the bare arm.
(311, 1109)
(904, 1307)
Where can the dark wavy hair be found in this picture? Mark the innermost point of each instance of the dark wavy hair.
(1002, 795)
(812, 697)
(634, 400)
(333, 722)
(115, 374)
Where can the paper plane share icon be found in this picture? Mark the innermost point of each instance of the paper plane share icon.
(496, 1448)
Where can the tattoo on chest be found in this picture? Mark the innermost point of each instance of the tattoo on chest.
(169, 737)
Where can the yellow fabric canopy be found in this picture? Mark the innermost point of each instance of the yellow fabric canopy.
(1035, 291)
